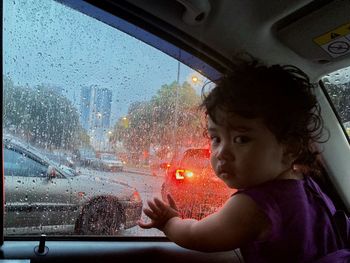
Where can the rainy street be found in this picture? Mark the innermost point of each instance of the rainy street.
(147, 185)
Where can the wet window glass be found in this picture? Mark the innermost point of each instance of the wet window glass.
(338, 87)
(105, 117)
(197, 158)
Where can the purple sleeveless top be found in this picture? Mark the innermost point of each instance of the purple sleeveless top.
(301, 230)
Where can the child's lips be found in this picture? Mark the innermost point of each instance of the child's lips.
(224, 176)
(224, 172)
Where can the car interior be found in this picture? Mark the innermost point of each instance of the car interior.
(64, 45)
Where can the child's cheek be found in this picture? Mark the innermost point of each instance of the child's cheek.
(213, 161)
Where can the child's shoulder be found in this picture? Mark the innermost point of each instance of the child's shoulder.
(282, 199)
(275, 187)
(278, 198)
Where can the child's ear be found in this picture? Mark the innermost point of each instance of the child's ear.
(289, 154)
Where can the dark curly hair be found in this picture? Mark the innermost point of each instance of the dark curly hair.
(281, 95)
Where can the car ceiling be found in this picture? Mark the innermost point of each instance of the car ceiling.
(275, 31)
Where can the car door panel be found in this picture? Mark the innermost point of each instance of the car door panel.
(151, 250)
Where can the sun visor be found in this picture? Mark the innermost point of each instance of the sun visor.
(322, 35)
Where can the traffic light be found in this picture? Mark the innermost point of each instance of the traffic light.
(125, 122)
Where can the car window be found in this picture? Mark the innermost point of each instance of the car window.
(337, 85)
(17, 164)
(80, 88)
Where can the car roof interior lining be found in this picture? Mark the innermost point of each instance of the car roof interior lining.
(300, 34)
(299, 19)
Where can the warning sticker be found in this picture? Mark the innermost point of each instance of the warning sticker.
(336, 42)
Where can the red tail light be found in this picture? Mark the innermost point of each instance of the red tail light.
(181, 174)
(136, 197)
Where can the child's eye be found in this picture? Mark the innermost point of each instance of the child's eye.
(241, 139)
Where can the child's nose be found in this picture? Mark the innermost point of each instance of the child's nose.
(224, 152)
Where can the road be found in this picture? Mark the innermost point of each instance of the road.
(147, 185)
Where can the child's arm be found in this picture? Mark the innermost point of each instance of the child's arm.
(236, 223)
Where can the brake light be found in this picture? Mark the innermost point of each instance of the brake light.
(181, 174)
(136, 197)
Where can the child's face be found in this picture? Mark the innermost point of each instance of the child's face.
(244, 152)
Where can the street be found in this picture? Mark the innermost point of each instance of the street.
(147, 185)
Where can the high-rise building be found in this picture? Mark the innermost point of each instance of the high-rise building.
(85, 108)
(103, 104)
(95, 112)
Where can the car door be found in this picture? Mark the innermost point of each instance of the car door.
(33, 200)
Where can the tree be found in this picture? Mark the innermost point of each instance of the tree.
(43, 116)
(168, 120)
(176, 125)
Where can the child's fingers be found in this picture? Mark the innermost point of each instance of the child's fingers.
(150, 214)
(171, 202)
(161, 205)
(153, 207)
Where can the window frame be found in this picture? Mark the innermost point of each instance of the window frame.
(208, 62)
(333, 184)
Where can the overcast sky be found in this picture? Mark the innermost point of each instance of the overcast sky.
(46, 42)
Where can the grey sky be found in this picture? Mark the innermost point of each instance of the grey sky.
(45, 42)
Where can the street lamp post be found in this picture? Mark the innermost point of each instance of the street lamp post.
(108, 140)
(99, 130)
(176, 106)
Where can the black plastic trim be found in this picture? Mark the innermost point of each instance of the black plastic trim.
(300, 13)
(135, 251)
(90, 238)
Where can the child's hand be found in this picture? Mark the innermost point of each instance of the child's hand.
(159, 213)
